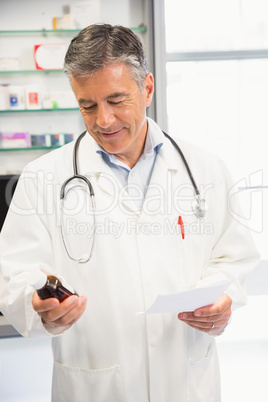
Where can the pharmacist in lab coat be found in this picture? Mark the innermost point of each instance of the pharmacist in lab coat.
(103, 350)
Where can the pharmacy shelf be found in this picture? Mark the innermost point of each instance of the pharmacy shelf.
(39, 31)
(30, 71)
(30, 148)
(39, 110)
(140, 28)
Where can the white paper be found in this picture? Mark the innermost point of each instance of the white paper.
(84, 13)
(252, 188)
(50, 56)
(188, 300)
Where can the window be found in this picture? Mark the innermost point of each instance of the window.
(217, 97)
(217, 91)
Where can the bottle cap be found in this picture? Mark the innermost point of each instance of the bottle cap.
(37, 279)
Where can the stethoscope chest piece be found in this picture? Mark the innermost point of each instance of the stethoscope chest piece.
(199, 206)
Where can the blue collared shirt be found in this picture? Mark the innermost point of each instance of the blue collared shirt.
(136, 180)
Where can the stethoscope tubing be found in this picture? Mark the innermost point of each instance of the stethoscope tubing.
(199, 207)
(75, 152)
(75, 167)
(173, 142)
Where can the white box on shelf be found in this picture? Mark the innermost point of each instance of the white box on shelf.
(9, 64)
(50, 56)
(84, 13)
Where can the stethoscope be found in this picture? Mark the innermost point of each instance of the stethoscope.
(199, 205)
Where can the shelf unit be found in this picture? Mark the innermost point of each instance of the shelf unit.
(31, 72)
(141, 28)
(41, 120)
(39, 31)
(40, 110)
(29, 149)
(5, 72)
(18, 42)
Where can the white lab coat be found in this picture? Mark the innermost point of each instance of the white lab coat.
(111, 354)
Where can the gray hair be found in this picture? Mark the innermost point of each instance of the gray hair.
(100, 45)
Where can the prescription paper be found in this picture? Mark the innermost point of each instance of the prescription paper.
(252, 188)
(188, 300)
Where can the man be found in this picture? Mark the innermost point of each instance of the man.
(103, 350)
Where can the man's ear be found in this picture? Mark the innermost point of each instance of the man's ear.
(148, 88)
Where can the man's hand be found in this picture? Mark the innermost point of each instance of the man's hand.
(211, 319)
(59, 314)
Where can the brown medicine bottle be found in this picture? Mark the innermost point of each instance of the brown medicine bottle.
(51, 286)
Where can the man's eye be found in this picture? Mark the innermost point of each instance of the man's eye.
(115, 103)
(88, 107)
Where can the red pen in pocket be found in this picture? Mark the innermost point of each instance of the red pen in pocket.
(180, 222)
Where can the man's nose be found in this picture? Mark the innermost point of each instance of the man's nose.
(105, 116)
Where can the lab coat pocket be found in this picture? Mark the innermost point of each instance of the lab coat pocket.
(78, 384)
(203, 378)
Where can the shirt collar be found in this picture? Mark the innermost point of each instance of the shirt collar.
(153, 143)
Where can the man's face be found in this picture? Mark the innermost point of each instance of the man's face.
(114, 110)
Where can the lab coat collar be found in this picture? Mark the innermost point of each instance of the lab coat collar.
(167, 152)
(89, 161)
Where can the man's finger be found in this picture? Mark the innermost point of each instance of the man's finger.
(219, 307)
